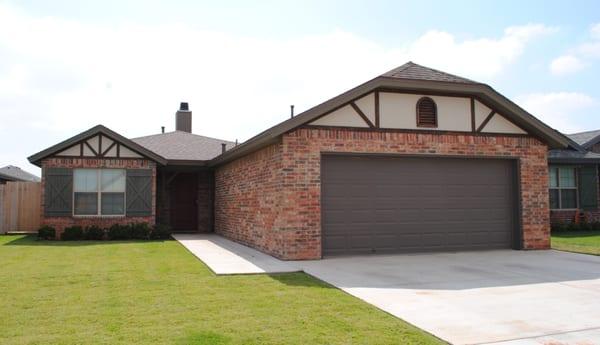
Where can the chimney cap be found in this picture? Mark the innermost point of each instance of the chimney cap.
(184, 106)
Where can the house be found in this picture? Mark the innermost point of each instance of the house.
(14, 173)
(573, 174)
(413, 160)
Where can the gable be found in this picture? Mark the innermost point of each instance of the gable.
(97, 142)
(98, 146)
(397, 110)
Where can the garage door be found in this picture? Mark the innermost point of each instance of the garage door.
(398, 205)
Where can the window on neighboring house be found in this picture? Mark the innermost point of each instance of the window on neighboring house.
(563, 188)
(99, 192)
(426, 113)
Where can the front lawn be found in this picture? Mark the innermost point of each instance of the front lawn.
(586, 242)
(158, 293)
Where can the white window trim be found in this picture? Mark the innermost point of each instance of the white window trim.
(559, 188)
(99, 196)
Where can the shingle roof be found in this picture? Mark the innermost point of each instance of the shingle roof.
(583, 138)
(411, 70)
(572, 155)
(186, 146)
(18, 174)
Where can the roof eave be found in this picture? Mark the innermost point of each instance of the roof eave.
(574, 160)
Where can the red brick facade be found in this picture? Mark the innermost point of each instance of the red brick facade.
(59, 223)
(270, 199)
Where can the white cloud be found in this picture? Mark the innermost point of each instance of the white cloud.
(573, 62)
(595, 31)
(561, 110)
(566, 64)
(59, 77)
(483, 57)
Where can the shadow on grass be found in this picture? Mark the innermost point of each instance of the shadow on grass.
(300, 279)
(572, 234)
(32, 240)
(204, 338)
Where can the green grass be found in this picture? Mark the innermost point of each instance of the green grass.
(586, 242)
(158, 293)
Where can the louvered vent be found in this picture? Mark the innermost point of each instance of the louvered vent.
(426, 113)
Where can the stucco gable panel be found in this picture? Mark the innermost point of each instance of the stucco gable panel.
(499, 124)
(343, 117)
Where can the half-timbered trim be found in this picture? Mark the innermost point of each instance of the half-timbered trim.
(377, 123)
(485, 122)
(362, 114)
(472, 114)
(79, 146)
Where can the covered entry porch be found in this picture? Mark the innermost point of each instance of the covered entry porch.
(184, 198)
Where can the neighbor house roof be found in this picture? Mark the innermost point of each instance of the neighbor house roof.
(414, 78)
(99, 129)
(585, 139)
(14, 173)
(573, 156)
(183, 146)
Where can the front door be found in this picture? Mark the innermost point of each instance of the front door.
(184, 202)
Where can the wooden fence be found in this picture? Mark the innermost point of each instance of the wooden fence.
(20, 207)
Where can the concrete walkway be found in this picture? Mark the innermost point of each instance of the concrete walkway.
(223, 256)
(502, 297)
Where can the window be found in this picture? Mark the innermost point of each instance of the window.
(99, 192)
(426, 113)
(563, 188)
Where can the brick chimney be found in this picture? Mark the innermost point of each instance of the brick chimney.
(183, 118)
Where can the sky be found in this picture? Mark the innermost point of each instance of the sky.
(66, 66)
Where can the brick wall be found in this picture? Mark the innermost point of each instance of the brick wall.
(59, 223)
(280, 213)
(247, 200)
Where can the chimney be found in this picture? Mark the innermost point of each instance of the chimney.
(292, 110)
(183, 118)
(223, 147)
(162, 129)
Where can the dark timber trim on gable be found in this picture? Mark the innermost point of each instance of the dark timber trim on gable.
(377, 121)
(485, 121)
(362, 115)
(472, 101)
(482, 92)
(81, 140)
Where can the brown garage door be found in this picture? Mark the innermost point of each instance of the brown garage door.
(394, 205)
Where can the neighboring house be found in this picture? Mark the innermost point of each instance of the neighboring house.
(573, 175)
(413, 160)
(14, 173)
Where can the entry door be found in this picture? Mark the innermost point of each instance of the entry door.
(399, 205)
(183, 202)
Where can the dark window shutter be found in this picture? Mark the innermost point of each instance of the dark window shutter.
(588, 187)
(426, 113)
(139, 192)
(58, 193)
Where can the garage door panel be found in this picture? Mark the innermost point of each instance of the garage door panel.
(374, 204)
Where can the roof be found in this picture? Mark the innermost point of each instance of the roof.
(573, 156)
(414, 78)
(99, 129)
(14, 173)
(183, 146)
(411, 70)
(585, 139)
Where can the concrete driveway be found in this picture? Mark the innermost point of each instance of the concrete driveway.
(505, 296)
